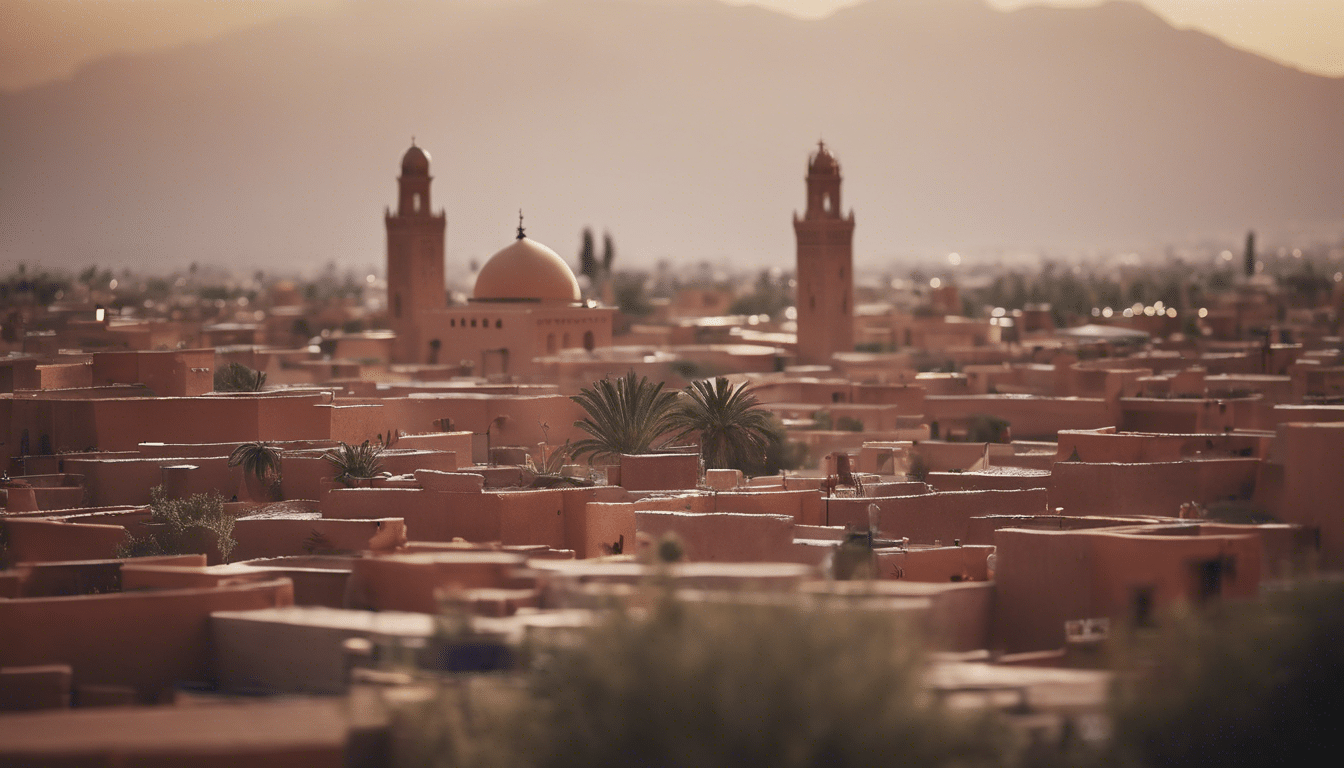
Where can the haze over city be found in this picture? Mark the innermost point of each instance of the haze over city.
(257, 133)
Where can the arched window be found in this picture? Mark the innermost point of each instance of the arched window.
(473, 322)
(434, 345)
(588, 341)
(415, 202)
(499, 323)
(452, 323)
(550, 342)
(565, 342)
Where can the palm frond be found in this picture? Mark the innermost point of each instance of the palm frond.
(734, 430)
(625, 416)
(258, 458)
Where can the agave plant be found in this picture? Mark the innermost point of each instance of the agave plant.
(625, 416)
(355, 462)
(547, 470)
(734, 430)
(236, 377)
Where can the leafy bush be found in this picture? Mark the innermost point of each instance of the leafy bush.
(236, 377)
(702, 684)
(355, 462)
(1241, 684)
(848, 424)
(173, 521)
(987, 429)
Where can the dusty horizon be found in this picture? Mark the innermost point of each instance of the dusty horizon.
(681, 127)
(50, 40)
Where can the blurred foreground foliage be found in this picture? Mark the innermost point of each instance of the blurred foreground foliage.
(705, 685)
(1237, 684)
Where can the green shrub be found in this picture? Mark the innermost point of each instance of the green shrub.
(702, 684)
(848, 424)
(1240, 684)
(236, 377)
(172, 521)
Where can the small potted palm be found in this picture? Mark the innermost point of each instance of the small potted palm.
(260, 462)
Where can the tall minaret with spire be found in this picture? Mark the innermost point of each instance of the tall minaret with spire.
(825, 298)
(415, 236)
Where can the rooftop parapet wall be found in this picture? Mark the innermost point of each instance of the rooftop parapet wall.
(1158, 488)
(988, 481)
(123, 481)
(660, 472)
(146, 640)
(122, 424)
(1045, 578)
(724, 537)
(1031, 418)
(933, 517)
(510, 517)
(1108, 445)
(1313, 483)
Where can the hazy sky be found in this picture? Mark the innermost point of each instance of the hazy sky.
(41, 40)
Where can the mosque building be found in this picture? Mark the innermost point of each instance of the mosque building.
(526, 301)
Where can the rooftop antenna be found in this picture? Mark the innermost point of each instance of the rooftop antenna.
(521, 233)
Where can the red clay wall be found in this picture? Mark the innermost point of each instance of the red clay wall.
(942, 517)
(723, 537)
(1031, 418)
(145, 640)
(660, 472)
(47, 541)
(1148, 489)
(1313, 483)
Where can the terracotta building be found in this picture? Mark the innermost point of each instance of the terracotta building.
(415, 281)
(526, 304)
(825, 265)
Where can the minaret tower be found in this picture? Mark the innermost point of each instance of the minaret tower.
(825, 265)
(415, 281)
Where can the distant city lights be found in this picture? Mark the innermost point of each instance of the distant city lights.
(1203, 312)
(935, 283)
(954, 259)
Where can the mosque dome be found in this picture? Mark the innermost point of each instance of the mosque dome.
(526, 271)
(415, 162)
(823, 162)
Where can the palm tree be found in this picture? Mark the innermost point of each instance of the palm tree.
(734, 430)
(625, 416)
(261, 460)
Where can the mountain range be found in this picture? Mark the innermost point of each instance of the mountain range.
(682, 127)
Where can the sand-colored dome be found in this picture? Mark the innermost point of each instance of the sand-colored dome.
(415, 162)
(526, 271)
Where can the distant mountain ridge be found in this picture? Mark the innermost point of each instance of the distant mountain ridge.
(683, 128)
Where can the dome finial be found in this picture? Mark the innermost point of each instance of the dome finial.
(412, 140)
(521, 233)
